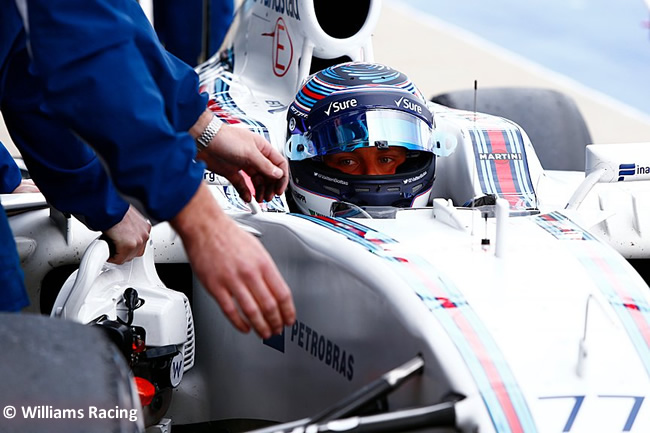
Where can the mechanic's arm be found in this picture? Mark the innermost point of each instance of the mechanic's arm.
(72, 177)
(129, 236)
(234, 149)
(234, 267)
(103, 91)
(11, 181)
(10, 176)
(75, 182)
(147, 158)
(26, 186)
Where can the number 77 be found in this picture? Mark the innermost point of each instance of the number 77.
(579, 399)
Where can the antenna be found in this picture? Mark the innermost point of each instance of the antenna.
(582, 344)
(475, 95)
(474, 127)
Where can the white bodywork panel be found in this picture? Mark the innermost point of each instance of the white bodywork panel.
(544, 327)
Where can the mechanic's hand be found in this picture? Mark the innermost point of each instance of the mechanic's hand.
(25, 186)
(129, 236)
(234, 267)
(234, 149)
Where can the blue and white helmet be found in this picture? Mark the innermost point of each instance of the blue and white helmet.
(354, 105)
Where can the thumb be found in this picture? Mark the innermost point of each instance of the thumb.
(264, 166)
(262, 159)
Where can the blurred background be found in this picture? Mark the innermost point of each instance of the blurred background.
(595, 51)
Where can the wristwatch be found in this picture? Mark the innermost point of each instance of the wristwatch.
(203, 140)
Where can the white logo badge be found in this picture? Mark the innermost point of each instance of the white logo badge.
(340, 105)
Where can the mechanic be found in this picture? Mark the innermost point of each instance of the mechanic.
(13, 296)
(10, 177)
(73, 181)
(107, 93)
(360, 133)
(76, 184)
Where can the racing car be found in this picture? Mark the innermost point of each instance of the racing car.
(505, 303)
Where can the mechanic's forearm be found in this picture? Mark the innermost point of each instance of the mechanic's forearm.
(201, 123)
(199, 216)
(234, 267)
(149, 160)
(9, 172)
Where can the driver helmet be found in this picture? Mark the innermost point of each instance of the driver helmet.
(360, 133)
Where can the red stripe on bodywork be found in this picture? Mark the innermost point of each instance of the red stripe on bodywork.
(619, 288)
(221, 113)
(481, 352)
(503, 168)
(499, 388)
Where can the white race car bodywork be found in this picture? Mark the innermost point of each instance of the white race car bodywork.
(526, 313)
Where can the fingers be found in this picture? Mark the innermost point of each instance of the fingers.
(263, 297)
(234, 267)
(280, 162)
(261, 162)
(260, 309)
(263, 191)
(239, 182)
(225, 301)
(129, 236)
(256, 307)
(128, 248)
(26, 186)
(237, 149)
(281, 294)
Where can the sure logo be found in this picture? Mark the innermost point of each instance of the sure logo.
(337, 106)
(408, 104)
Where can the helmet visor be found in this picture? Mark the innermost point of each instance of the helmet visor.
(379, 128)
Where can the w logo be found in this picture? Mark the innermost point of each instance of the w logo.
(176, 370)
(625, 170)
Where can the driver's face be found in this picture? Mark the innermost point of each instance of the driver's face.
(367, 160)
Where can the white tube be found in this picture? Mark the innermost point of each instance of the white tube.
(583, 189)
(502, 215)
